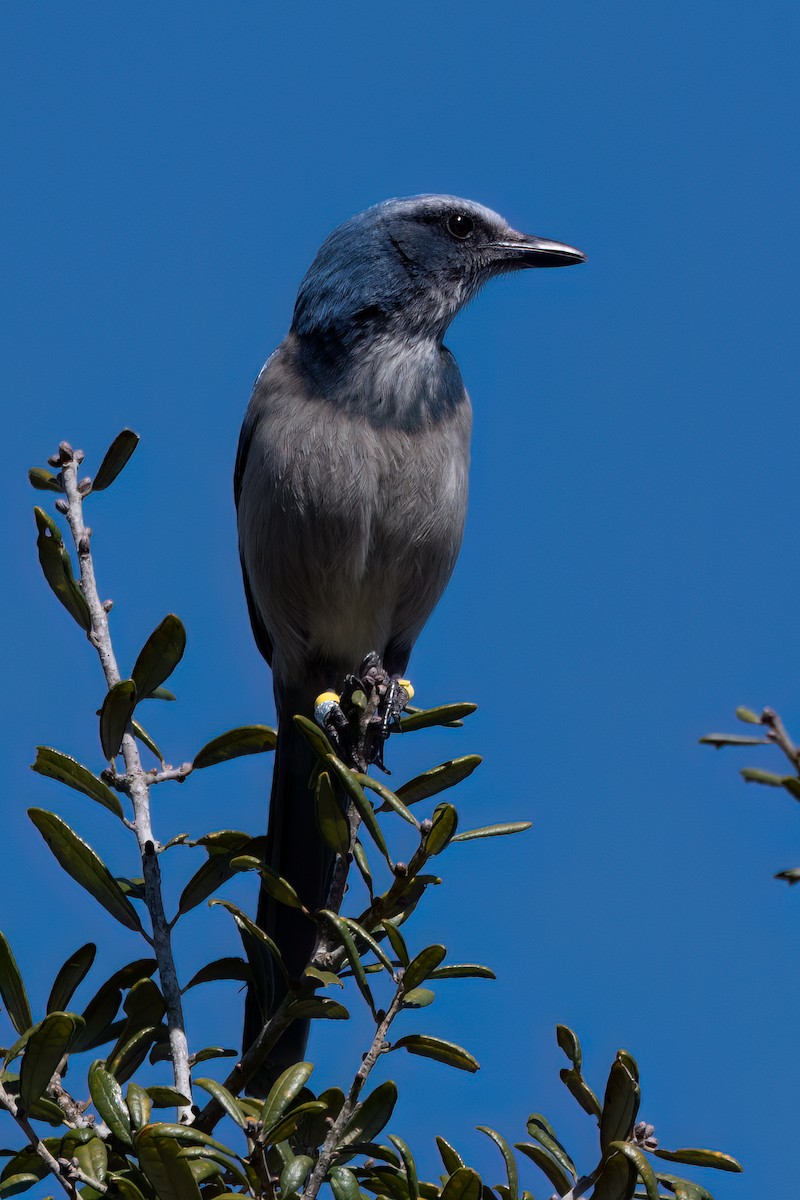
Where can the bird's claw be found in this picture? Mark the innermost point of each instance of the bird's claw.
(330, 717)
(359, 721)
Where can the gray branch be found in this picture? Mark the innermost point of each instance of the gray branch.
(136, 782)
(778, 733)
(53, 1165)
(329, 1148)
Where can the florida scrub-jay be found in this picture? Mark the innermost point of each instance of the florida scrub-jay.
(351, 489)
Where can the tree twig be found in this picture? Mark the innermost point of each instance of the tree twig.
(328, 1149)
(581, 1187)
(53, 1165)
(73, 1110)
(135, 783)
(779, 734)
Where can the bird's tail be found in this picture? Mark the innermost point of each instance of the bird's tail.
(296, 851)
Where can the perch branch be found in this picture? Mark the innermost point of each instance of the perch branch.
(136, 782)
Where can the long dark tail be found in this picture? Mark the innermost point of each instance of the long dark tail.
(297, 852)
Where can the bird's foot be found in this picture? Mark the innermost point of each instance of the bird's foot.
(359, 721)
(330, 717)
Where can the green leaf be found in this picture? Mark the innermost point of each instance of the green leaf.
(701, 1158)
(418, 998)
(502, 830)
(444, 825)
(451, 1159)
(55, 765)
(748, 716)
(284, 1090)
(642, 1165)
(433, 1047)
(331, 821)
(14, 1051)
(397, 942)
(462, 971)
(580, 1090)
(15, 1184)
(792, 785)
(43, 1053)
(568, 1042)
(217, 869)
(546, 1163)
(57, 569)
(508, 1159)
(224, 1098)
(321, 1007)
(132, 1053)
(684, 1189)
(209, 1052)
(43, 480)
(446, 775)
(143, 736)
(294, 1175)
(731, 739)
(314, 736)
(617, 1180)
(572, 1079)
(80, 861)
(115, 458)
(274, 884)
(344, 1184)
(220, 968)
(139, 1105)
(75, 1137)
(359, 798)
(445, 714)
(371, 1116)
(160, 1157)
(92, 1159)
(344, 935)
(541, 1129)
(247, 926)
(12, 989)
(752, 775)
(188, 1133)
(362, 862)
(323, 978)
(390, 800)
(167, 1097)
(423, 966)
(159, 656)
(412, 1179)
(70, 976)
(115, 716)
(104, 1005)
(107, 1098)
(288, 1123)
(364, 935)
(246, 739)
(463, 1184)
(133, 888)
(621, 1102)
(126, 1187)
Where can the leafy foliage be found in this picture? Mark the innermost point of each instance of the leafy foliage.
(95, 1131)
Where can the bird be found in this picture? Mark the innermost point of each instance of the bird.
(351, 493)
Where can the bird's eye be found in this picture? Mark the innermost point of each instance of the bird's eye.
(460, 226)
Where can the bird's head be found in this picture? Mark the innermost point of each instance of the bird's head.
(409, 265)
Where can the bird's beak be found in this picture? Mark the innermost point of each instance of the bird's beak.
(521, 250)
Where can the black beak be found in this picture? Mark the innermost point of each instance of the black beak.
(519, 250)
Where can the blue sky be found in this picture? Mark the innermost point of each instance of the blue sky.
(626, 578)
